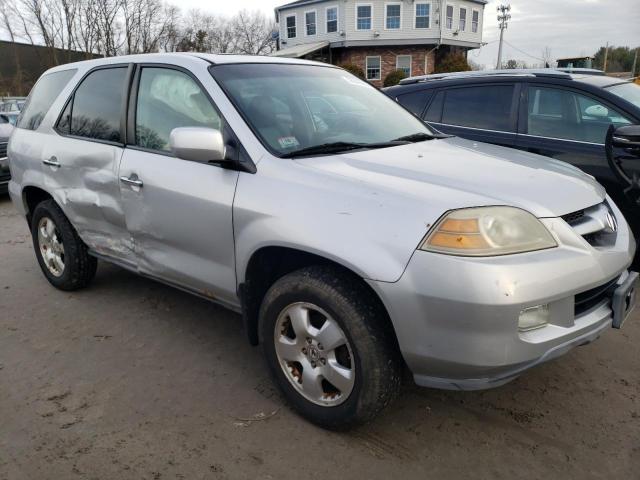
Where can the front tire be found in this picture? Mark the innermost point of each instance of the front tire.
(62, 255)
(330, 347)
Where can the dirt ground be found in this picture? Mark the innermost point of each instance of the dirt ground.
(132, 379)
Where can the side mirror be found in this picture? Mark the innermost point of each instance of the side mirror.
(197, 144)
(627, 136)
(597, 111)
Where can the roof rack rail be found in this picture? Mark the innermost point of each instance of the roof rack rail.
(546, 72)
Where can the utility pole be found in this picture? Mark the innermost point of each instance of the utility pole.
(503, 18)
(606, 57)
(635, 62)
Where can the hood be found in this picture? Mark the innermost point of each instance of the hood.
(460, 173)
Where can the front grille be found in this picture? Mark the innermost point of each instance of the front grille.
(585, 301)
(573, 217)
(3, 150)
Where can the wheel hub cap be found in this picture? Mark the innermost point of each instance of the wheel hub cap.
(314, 354)
(51, 247)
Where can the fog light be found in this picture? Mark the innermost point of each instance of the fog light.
(533, 318)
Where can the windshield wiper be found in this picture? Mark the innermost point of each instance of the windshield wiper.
(326, 148)
(418, 137)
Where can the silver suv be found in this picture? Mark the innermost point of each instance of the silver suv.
(354, 240)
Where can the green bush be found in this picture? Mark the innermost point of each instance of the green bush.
(354, 69)
(394, 78)
(453, 62)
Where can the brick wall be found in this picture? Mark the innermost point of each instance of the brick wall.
(357, 56)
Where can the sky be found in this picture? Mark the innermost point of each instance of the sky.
(568, 27)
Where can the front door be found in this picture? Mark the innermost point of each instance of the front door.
(179, 213)
(571, 126)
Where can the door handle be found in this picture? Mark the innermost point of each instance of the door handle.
(52, 162)
(134, 181)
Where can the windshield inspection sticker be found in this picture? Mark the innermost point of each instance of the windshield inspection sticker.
(288, 142)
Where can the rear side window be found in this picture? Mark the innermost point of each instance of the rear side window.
(486, 107)
(42, 97)
(415, 102)
(434, 112)
(95, 109)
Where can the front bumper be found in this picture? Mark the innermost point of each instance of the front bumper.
(456, 318)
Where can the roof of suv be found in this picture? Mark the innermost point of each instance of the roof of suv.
(208, 57)
(589, 78)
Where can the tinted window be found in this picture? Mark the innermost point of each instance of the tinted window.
(486, 107)
(565, 114)
(42, 97)
(415, 101)
(434, 112)
(97, 105)
(169, 99)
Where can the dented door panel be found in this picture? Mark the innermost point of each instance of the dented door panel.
(85, 184)
(181, 221)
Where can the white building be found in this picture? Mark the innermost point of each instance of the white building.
(380, 36)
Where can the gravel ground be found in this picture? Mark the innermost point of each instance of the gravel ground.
(132, 379)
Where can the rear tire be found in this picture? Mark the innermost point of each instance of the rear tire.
(356, 373)
(62, 255)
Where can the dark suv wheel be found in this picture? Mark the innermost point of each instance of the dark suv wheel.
(330, 347)
(63, 257)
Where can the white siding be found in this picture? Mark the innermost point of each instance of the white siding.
(378, 33)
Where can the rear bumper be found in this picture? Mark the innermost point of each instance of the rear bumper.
(456, 318)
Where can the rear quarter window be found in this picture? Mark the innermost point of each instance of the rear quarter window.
(485, 107)
(42, 97)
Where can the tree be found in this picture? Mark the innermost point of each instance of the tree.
(354, 70)
(453, 62)
(394, 78)
(515, 64)
(620, 59)
(547, 58)
(254, 33)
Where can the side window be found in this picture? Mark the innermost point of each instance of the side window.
(95, 110)
(434, 112)
(42, 97)
(487, 107)
(415, 101)
(169, 99)
(568, 115)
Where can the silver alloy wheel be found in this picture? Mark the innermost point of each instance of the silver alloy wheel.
(51, 247)
(314, 354)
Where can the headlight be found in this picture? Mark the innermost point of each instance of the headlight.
(488, 231)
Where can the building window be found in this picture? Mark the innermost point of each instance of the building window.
(393, 15)
(310, 22)
(291, 26)
(373, 68)
(403, 62)
(449, 17)
(463, 19)
(475, 20)
(332, 20)
(423, 15)
(364, 14)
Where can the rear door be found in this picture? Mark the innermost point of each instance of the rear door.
(80, 163)
(179, 212)
(481, 112)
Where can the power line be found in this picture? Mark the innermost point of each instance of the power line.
(522, 51)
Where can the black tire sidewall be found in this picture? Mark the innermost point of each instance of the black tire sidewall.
(73, 247)
(363, 402)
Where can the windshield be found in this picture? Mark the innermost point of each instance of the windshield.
(628, 91)
(295, 108)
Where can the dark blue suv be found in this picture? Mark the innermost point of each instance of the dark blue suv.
(548, 112)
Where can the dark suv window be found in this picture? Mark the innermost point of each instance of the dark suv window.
(42, 97)
(565, 114)
(486, 107)
(95, 110)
